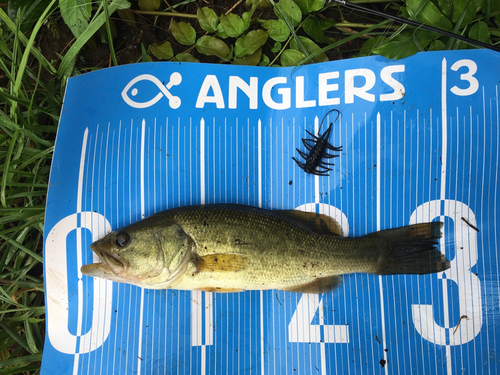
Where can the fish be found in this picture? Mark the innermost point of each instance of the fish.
(233, 248)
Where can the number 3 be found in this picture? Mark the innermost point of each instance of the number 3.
(460, 273)
(469, 76)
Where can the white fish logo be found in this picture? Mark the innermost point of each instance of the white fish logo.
(173, 101)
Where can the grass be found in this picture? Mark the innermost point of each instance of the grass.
(31, 94)
(28, 122)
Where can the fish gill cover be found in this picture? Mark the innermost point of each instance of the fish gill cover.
(420, 142)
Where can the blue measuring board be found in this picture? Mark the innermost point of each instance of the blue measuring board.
(421, 142)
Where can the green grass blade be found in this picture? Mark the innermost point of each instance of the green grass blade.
(12, 27)
(29, 46)
(19, 361)
(22, 248)
(345, 40)
(66, 66)
(17, 338)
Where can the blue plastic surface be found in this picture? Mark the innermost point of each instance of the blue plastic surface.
(421, 142)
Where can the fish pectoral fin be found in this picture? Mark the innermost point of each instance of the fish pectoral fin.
(319, 285)
(220, 263)
(319, 223)
(221, 290)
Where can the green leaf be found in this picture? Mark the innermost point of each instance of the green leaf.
(32, 11)
(128, 16)
(264, 61)
(312, 29)
(311, 48)
(247, 16)
(427, 13)
(208, 19)
(308, 6)
(185, 57)
(323, 23)
(221, 33)
(370, 45)
(248, 44)
(404, 45)
(459, 7)
(437, 45)
(397, 49)
(212, 46)
(73, 16)
(291, 57)
(144, 54)
(277, 29)
(480, 31)
(85, 6)
(162, 51)
(252, 59)
(289, 10)
(260, 4)
(150, 5)
(276, 47)
(232, 25)
(183, 32)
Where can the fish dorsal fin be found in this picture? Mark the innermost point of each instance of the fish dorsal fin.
(319, 223)
(319, 285)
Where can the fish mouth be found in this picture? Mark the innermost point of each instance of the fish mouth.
(110, 264)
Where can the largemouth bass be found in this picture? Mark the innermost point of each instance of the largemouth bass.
(232, 248)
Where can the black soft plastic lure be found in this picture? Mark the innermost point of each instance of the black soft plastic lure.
(317, 148)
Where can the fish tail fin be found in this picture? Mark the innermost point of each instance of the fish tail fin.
(413, 249)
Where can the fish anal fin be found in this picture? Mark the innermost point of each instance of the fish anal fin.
(220, 263)
(221, 290)
(319, 223)
(319, 285)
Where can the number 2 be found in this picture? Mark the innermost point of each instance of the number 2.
(300, 328)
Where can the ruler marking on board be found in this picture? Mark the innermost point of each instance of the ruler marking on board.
(141, 311)
(481, 234)
(104, 212)
(79, 247)
(444, 151)
(381, 287)
(117, 222)
(154, 211)
(92, 207)
(261, 293)
(321, 318)
(496, 186)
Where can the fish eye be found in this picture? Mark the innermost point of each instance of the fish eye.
(122, 239)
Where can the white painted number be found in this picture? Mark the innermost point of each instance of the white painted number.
(468, 324)
(57, 277)
(469, 320)
(300, 328)
(468, 76)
